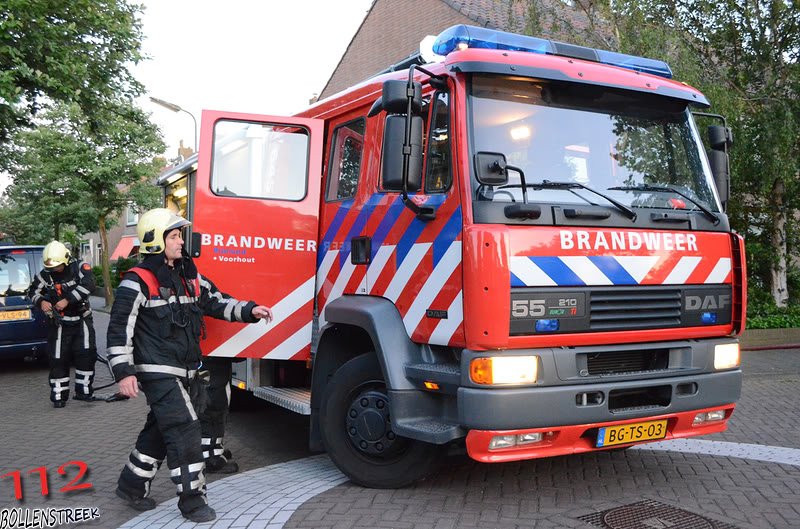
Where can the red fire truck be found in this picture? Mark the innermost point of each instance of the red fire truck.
(521, 248)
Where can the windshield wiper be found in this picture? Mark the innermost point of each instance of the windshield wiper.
(549, 184)
(668, 189)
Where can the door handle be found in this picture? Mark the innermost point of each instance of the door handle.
(360, 250)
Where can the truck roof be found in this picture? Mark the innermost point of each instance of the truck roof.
(518, 63)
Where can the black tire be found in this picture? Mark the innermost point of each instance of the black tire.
(355, 424)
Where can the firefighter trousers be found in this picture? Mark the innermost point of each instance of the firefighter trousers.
(215, 412)
(171, 431)
(70, 345)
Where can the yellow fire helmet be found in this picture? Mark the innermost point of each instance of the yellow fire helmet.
(55, 254)
(152, 227)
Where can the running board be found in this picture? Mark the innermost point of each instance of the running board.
(297, 400)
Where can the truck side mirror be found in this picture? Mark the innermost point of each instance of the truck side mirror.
(392, 166)
(720, 168)
(720, 138)
(394, 98)
(490, 168)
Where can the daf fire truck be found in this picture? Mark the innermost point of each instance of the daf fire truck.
(521, 248)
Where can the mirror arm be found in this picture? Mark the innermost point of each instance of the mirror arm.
(437, 81)
(714, 116)
(407, 138)
(724, 200)
(522, 181)
(424, 212)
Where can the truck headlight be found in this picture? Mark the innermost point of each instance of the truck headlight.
(504, 369)
(726, 356)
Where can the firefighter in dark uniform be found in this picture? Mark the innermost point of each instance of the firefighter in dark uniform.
(62, 291)
(219, 460)
(154, 341)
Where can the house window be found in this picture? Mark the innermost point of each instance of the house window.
(86, 251)
(131, 215)
(345, 167)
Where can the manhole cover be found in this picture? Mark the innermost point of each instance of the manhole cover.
(649, 514)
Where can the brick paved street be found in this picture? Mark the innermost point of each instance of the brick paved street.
(282, 486)
(33, 434)
(555, 492)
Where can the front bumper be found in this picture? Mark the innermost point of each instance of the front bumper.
(29, 349)
(580, 438)
(542, 407)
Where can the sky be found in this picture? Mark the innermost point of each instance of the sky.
(257, 56)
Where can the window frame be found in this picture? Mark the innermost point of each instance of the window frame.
(307, 134)
(129, 212)
(432, 115)
(332, 159)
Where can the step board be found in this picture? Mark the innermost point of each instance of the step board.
(296, 399)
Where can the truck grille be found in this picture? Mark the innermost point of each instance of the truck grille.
(626, 362)
(618, 308)
(639, 308)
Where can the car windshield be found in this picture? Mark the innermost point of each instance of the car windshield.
(640, 150)
(15, 273)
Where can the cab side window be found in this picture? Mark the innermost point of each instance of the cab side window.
(259, 160)
(345, 165)
(438, 175)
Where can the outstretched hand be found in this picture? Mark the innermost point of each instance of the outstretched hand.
(129, 386)
(262, 312)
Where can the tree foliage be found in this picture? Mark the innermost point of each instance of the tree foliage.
(744, 56)
(70, 51)
(73, 172)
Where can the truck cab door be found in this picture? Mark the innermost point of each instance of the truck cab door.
(256, 211)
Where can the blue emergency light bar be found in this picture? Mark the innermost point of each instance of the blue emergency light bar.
(461, 36)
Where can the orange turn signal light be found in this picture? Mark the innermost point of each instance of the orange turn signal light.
(504, 370)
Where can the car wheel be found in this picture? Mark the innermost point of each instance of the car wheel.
(356, 429)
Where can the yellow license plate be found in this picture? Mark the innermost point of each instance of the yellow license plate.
(12, 315)
(631, 433)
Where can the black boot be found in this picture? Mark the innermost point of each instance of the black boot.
(200, 515)
(85, 398)
(59, 403)
(219, 465)
(140, 504)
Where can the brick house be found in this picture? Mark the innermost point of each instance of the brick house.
(392, 29)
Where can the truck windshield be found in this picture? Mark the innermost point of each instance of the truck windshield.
(640, 150)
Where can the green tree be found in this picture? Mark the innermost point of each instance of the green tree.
(72, 172)
(744, 56)
(70, 51)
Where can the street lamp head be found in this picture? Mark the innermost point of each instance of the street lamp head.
(166, 104)
(176, 108)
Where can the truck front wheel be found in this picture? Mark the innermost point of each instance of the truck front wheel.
(356, 429)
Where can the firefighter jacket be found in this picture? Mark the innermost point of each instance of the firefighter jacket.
(74, 284)
(157, 319)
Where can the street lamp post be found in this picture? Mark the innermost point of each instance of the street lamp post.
(176, 108)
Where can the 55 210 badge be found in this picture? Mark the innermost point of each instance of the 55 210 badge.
(77, 482)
